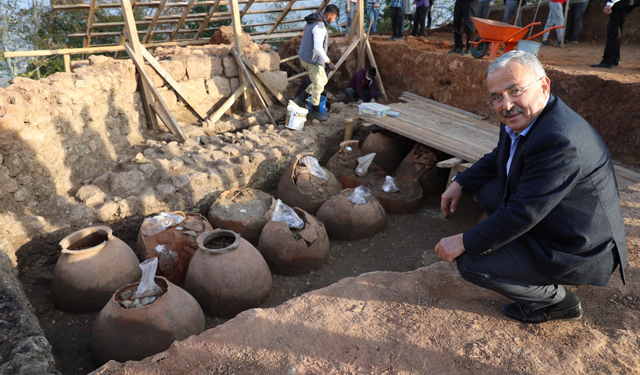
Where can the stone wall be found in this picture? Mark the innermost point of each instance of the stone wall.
(69, 129)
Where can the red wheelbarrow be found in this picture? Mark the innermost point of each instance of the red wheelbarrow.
(490, 34)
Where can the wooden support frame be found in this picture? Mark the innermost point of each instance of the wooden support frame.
(229, 102)
(247, 76)
(372, 61)
(266, 83)
(185, 12)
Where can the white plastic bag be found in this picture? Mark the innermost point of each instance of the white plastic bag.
(148, 286)
(314, 167)
(363, 164)
(156, 224)
(359, 194)
(389, 185)
(286, 214)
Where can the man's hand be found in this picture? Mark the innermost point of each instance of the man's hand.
(450, 198)
(607, 9)
(331, 65)
(449, 248)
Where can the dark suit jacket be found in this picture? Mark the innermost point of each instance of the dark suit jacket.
(560, 200)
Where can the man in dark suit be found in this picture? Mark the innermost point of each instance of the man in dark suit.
(551, 197)
(618, 10)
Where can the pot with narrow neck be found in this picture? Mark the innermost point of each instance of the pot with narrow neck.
(93, 264)
(227, 274)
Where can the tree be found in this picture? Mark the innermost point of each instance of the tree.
(11, 22)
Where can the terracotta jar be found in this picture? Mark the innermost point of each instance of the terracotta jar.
(132, 334)
(290, 251)
(243, 211)
(388, 152)
(349, 221)
(343, 165)
(407, 199)
(227, 274)
(299, 188)
(174, 247)
(93, 264)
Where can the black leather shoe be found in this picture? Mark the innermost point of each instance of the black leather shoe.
(567, 309)
(456, 50)
(602, 65)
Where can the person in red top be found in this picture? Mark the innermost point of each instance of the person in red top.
(555, 18)
(363, 86)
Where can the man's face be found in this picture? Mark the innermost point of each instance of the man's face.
(518, 112)
(331, 17)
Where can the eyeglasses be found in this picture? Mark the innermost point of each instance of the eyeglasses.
(514, 92)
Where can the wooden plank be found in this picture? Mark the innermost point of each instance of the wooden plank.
(237, 33)
(159, 106)
(149, 33)
(435, 115)
(206, 20)
(343, 58)
(281, 16)
(412, 96)
(449, 163)
(172, 82)
(352, 29)
(297, 76)
(67, 63)
(372, 61)
(252, 84)
(265, 82)
(246, 7)
(294, 67)
(294, 57)
(87, 40)
(145, 85)
(263, 91)
(185, 12)
(229, 102)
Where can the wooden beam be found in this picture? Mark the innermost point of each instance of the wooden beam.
(344, 57)
(67, 63)
(236, 23)
(145, 85)
(152, 24)
(266, 83)
(297, 76)
(87, 40)
(229, 102)
(246, 7)
(282, 15)
(252, 84)
(172, 82)
(185, 12)
(207, 18)
(372, 61)
(352, 29)
(159, 105)
(294, 67)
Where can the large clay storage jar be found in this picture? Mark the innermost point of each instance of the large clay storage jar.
(290, 251)
(174, 245)
(406, 199)
(388, 152)
(243, 211)
(92, 266)
(131, 334)
(343, 165)
(298, 187)
(348, 221)
(227, 274)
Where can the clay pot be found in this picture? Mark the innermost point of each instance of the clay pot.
(93, 264)
(243, 211)
(388, 152)
(291, 251)
(123, 334)
(348, 221)
(179, 244)
(408, 199)
(227, 274)
(343, 165)
(299, 188)
(416, 163)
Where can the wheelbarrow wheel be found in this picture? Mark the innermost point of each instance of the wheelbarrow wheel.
(480, 50)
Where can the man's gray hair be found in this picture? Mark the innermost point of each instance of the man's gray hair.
(525, 58)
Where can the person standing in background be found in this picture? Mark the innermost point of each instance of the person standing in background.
(371, 14)
(555, 18)
(463, 10)
(421, 15)
(397, 20)
(618, 10)
(429, 11)
(511, 9)
(574, 19)
(484, 8)
(352, 6)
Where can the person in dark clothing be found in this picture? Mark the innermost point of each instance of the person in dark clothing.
(463, 10)
(511, 9)
(429, 11)
(551, 198)
(397, 20)
(422, 6)
(363, 86)
(618, 10)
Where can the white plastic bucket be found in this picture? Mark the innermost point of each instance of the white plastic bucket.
(297, 116)
(529, 46)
